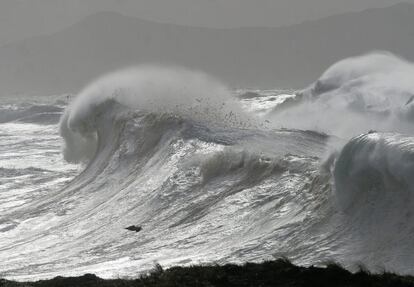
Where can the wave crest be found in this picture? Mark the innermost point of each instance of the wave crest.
(175, 91)
(375, 167)
(355, 95)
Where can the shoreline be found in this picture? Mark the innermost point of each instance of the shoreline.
(279, 272)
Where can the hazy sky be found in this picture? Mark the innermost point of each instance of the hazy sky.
(25, 18)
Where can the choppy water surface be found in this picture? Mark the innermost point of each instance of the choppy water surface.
(210, 175)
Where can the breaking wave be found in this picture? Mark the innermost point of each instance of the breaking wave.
(355, 95)
(374, 189)
(176, 92)
(213, 175)
(375, 167)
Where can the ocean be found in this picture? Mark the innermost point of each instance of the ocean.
(212, 174)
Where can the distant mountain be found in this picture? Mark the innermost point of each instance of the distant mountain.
(292, 56)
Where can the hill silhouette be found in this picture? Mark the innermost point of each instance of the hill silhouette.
(285, 57)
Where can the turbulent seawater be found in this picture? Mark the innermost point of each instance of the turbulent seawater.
(212, 175)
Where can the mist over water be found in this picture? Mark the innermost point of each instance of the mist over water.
(369, 92)
(170, 91)
(211, 174)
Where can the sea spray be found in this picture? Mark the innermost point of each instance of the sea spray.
(150, 89)
(354, 96)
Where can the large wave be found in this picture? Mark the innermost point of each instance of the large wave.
(189, 129)
(374, 190)
(174, 91)
(369, 99)
(173, 151)
(374, 167)
(355, 95)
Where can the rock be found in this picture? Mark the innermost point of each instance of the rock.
(134, 228)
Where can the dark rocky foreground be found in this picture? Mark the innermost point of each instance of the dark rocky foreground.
(272, 273)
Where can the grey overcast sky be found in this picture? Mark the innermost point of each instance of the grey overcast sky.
(24, 18)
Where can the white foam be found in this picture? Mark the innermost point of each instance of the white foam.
(355, 95)
(159, 90)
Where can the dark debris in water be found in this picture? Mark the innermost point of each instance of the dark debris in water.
(134, 228)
